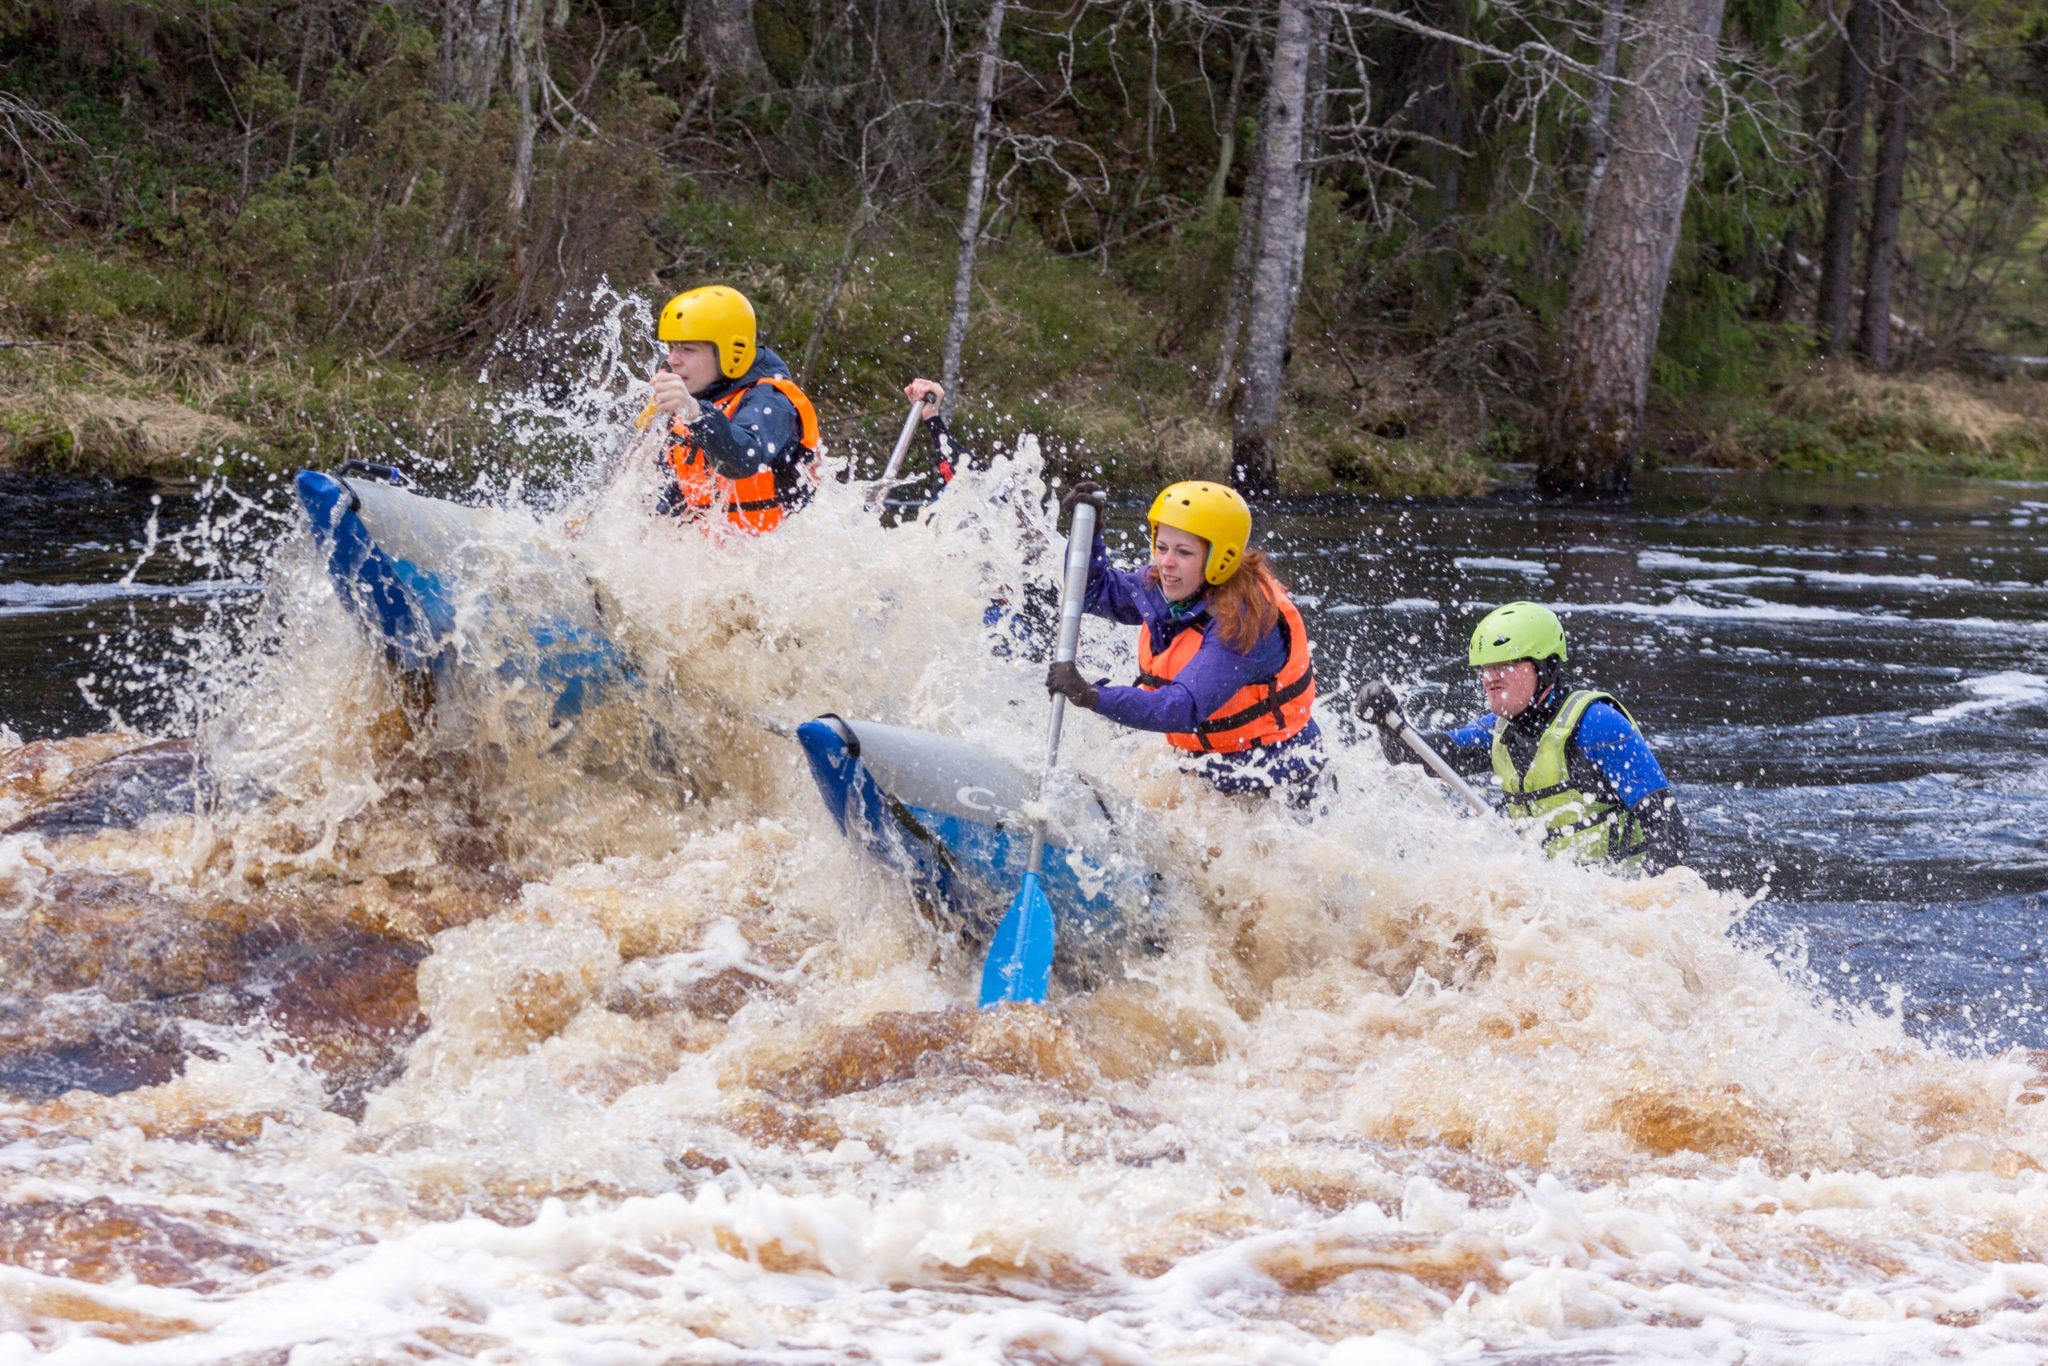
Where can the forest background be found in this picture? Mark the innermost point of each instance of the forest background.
(1308, 244)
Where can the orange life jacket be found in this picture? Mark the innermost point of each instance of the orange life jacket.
(757, 503)
(1262, 713)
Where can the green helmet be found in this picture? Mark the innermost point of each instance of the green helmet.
(1520, 630)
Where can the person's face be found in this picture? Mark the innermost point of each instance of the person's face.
(696, 362)
(1180, 559)
(1509, 688)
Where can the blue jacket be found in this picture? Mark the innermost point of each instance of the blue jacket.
(1606, 742)
(764, 434)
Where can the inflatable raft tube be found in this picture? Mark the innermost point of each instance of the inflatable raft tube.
(445, 587)
(952, 816)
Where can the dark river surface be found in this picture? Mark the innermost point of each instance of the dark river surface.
(1839, 674)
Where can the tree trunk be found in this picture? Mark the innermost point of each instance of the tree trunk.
(725, 36)
(1315, 105)
(1232, 327)
(523, 19)
(1255, 410)
(1226, 143)
(472, 36)
(1603, 106)
(1881, 263)
(1617, 291)
(977, 190)
(1842, 179)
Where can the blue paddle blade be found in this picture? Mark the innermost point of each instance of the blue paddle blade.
(1019, 963)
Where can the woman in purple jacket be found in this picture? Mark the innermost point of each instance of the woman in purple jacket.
(1223, 658)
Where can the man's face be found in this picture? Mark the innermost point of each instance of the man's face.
(696, 362)
(1509, 688)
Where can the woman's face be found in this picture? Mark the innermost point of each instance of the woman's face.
(696, 362)
(1180, 559)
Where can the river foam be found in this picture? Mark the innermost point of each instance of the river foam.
(502, 1042)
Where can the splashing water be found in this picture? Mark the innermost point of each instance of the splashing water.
(428, 1030)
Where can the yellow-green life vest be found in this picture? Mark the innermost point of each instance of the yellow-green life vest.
(1578, 824)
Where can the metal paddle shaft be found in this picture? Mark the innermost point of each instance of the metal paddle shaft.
(1019, 962)
(1073, 593)
(910, 421)
(916, 415)
(1443, 770)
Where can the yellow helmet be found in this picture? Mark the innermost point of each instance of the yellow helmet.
(718, 314)
(1215, 512)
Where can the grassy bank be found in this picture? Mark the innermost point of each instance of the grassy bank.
(1839, 418)
(112, 373)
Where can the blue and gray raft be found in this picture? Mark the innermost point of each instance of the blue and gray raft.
(952, 817)
(445, 587)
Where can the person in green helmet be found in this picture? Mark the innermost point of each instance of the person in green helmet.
(1568, 758)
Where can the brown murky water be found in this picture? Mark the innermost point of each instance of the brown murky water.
(365, 1022)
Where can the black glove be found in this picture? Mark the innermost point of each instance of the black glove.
(1664, 824)
(1064, 679)
(1087, 491)
(1375, 702)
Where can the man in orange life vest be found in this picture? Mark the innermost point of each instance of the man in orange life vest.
(743, 446)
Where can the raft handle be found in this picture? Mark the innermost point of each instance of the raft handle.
(390, 474)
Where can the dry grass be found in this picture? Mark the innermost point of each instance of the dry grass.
(1839, 417)
(1982, 410)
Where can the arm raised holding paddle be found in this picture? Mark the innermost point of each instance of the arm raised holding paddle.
(1224, 669)
(1569, 759)
(741, 440)
(1376, 702)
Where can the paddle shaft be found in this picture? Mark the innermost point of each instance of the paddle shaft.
(647, 413)
(1080, 549)
(916, 414)
(910, 421)
(1400, 726)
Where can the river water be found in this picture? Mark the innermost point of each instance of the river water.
(429, 1034)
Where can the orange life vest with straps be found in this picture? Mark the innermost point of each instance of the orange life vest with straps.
(757, 503)
(1262, 713)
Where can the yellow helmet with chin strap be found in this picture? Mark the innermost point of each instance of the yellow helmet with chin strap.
(718, 314)
(1215, 512)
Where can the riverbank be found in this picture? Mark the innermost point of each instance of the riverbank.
(93, 382)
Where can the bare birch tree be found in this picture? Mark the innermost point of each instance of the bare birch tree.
(977, 191)
(524, 22)
(1240, 286)
(1232, 326)
(1315, 103)
(1255, 409)
(1617, 291)
(1226, 133)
